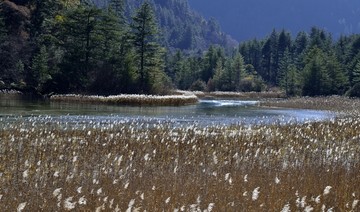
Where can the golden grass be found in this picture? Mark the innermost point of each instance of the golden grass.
(124, 99)
(51, 166)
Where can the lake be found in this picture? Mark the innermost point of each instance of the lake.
(205, 113)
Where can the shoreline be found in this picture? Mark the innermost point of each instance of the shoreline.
(239, 95)
(338, 104)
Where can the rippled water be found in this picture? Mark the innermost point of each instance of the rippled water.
(206, 113)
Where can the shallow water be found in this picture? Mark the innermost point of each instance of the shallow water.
(205, 113)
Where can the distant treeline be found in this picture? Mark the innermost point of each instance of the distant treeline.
(55, 46)
(311, 64)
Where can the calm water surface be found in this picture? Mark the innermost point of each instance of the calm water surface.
(205, 113)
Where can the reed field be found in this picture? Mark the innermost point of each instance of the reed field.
(125, 99)
(46, 165)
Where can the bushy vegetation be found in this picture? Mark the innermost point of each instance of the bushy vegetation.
(154, 166)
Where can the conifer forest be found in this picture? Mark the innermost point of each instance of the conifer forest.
(150, 47)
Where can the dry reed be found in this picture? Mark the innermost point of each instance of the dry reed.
(52, 166)
(124, 99)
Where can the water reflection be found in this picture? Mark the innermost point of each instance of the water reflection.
(206, 112)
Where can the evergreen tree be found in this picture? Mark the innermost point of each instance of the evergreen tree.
(316, 78)
(45, 11)
(283, 75)
(284, 43)
(337, 78)
(238, 68)
(356, 74)
(81, 38)
(148, 53)
(251, 52)
(301, 42)
(118, 7)
(40, 70)
(270, 58)
(219, 76)
(320, 39)
(293, 81)
(210, 61)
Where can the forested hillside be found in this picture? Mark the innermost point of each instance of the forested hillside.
(181, 27)
(245, 19)
(112, 47)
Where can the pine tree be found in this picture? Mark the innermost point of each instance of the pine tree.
(356, 74)
(316, 77)
(40, 69)
(283, 73)
(270, 58)
(238, 68)
(148, 52)
(44, 10)
(320, 39)
(81, 38)
(284, 43)
(293, 83)
(118, 7)
(337, 78)
(219, 76)
(210, 60)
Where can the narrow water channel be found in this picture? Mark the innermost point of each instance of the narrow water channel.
(205, 113)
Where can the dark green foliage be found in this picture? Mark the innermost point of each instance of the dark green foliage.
(148, 52)
(198, 85)
(118, 7)
(3, 30)
(40, 73)
(320, 39)
(316, 77)
(81, 41)
(354, 91)
(3, 53)
(237, 71)
(214, 57)
(337, 77)
(69, 46)
(356, 74)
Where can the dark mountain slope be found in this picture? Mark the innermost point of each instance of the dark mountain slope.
(248, 19)
(182, 27)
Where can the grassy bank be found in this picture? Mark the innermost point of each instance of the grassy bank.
(137, 100)
(49, 166)
(240, 95)
(332, 103)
